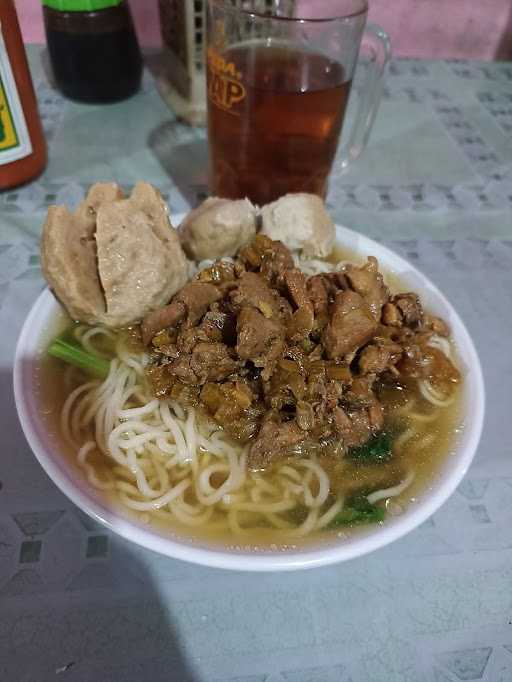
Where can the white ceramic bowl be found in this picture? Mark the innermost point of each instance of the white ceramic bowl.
(33, 340)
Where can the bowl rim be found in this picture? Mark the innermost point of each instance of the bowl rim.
(218, 557)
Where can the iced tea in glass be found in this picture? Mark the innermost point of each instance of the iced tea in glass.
(278, 88)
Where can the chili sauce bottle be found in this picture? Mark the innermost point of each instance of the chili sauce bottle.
(22, 143)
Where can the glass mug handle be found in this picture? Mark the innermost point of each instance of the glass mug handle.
(377, 42)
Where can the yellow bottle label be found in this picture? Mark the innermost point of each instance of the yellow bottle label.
(14, 136)
(8, 135)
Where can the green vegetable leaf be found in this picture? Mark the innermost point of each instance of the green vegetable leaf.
(377, 449)
(77, 356)
(358, 511)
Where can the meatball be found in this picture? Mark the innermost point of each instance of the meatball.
(301, 222)
(114, 259)
(68, 254)
(140, 260)
(218, 228)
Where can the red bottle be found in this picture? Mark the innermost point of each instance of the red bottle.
(22, 143)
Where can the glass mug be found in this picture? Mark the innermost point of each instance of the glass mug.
(279, 77)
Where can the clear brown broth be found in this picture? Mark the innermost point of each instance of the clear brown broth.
(346, 477)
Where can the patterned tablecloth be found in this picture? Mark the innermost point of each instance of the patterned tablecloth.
(79, 604)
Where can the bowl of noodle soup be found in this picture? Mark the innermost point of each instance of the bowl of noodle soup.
(158, 449)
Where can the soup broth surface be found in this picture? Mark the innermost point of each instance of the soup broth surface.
(422, 437)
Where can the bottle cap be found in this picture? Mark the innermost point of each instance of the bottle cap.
(80, 5)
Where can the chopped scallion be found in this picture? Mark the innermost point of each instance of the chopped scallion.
(77, 356)
(377, 449)
(358, 511)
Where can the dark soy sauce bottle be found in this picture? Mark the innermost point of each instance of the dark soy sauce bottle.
(93, 49)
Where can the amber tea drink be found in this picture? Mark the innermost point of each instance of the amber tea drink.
(282, 136)
(278, 88)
